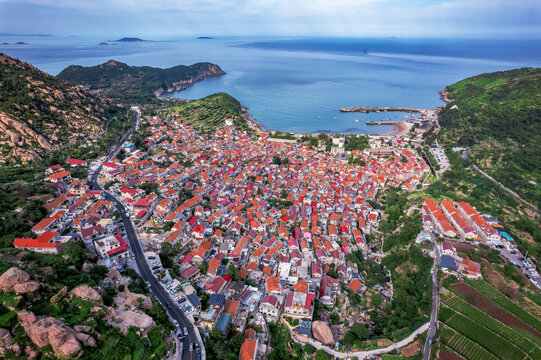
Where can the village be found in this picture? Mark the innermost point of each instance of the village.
(255, 231)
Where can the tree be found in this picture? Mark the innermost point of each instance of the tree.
(321, 355)
(234, 272)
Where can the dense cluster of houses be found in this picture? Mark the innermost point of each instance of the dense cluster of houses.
(282, 223)
(282, 213)
(77, 213)
(462, 222)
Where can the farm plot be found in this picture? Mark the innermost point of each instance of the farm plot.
(531, 347)
(484, 296)
(464, 346)
(486, 338)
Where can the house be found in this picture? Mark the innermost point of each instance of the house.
(448, 263)
(299, 305)
(270, 307)
(222, 323)
(91, 233)
(328, 289)
(75, 162)
(46, 243)
(469, 268)
(113, 249)
(248, 350)
(273, 285)
(448, 248)
(62, 176)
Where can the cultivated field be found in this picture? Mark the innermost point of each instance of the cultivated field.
(464, 346)
(528, 344)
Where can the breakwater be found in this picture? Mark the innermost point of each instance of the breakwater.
(380, 109)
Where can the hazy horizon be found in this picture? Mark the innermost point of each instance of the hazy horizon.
(334, 18)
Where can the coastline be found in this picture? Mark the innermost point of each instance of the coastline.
(399, 128)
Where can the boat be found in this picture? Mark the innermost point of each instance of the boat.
(356, 120)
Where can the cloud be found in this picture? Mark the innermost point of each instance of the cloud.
(279, 17)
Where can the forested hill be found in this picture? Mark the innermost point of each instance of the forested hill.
(498, 116)
(40, 113)
(136, 84)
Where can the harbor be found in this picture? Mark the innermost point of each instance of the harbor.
(380, 109)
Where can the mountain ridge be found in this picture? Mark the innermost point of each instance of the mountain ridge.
(135, 84)
(37, 110)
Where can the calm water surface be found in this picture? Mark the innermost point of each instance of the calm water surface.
(299, 84)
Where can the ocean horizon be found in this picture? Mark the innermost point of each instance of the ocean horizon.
(298, 84)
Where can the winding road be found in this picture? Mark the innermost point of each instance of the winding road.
(435, 305)
(155, 287)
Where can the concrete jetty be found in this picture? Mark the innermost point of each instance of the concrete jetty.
(380, 108)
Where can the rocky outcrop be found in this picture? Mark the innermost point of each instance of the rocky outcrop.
(128, 299)
(6, 343)
(12, 277)
(322, 333)
(44, 331)
(123, 320)
(26, 287)
(85, 292)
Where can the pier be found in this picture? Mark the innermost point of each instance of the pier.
(381, 109)
(384, 122)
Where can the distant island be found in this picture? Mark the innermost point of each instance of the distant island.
(204, 37)
(135, 84)
(129, 39)
(15, 43)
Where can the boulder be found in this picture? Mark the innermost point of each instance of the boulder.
(322, 333)
(26, 287)
(123, 320)
(29, 351)
(85, 292)
(87, 267)
(44, 331)
(82, 328)
(86, 339)
(128, 299)
(5, 337)
(12, 277)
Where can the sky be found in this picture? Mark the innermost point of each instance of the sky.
(160, 19)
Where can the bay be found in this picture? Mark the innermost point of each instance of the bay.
(299, 84)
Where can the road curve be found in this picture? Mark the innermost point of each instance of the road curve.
(363, 354)
(155, 287)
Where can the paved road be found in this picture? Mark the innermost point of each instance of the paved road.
(435, 305)
(504, 188)
(362, 354)
(161, 294)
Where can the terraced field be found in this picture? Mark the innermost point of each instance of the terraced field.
(491, 341)
(464, 346)
(530, 345)
(210, 112)
(503, 301)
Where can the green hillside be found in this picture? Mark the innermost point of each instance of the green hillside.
(498, 116)
(136, 84)
(210, 112)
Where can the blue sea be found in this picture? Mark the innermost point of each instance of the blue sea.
(299, 84)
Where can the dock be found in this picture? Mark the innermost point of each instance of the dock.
(381, 109)
(384, 122)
